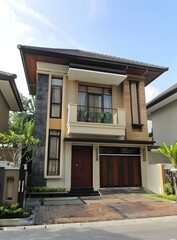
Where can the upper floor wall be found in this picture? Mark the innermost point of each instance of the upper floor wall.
(98, 90)
(164, 124)
(162, 111)
(99, 109)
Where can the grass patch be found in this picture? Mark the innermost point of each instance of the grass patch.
(162, 197)
(170, 197)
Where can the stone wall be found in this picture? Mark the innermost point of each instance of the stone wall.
(37, 176)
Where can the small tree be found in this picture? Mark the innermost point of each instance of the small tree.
(17, 146)
(17, 120)
(170, 151)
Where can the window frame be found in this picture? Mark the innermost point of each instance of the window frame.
(57, 136)
(88, 93)
(100, 91)
(51, 95)
(135, 104)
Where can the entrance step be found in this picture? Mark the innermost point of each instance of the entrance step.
(83, 192)
(104, 191)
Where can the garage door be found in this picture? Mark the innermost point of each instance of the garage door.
(120, 171)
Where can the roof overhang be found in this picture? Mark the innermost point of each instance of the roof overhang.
(31, 55)
(95, 76)
(165, 98)
(10, 92)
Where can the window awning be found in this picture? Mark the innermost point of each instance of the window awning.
(95, 76)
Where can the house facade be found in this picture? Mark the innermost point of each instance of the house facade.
(91, 118)
(162, 111)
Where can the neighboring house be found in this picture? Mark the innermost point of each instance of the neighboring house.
(9, 98)
(162, 111)
(9, 101)
(90, 117)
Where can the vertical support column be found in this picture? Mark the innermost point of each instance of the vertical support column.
(37, 176)
(162, 178)
(2, 172)
(21, 187)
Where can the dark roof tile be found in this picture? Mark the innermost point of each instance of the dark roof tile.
(92, 55)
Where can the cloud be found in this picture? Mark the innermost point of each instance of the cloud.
(97, 8)
(16, 27)
(151, 92)
(43, 20)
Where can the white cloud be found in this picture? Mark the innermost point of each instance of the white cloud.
(17, 30)
(43, 20)
(97, 8)
(151, 92)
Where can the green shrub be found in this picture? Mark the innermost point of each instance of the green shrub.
(168, 189)
(46, 189)
(13, 211)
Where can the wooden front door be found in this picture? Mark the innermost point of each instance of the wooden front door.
(122, 171)
(81, 173)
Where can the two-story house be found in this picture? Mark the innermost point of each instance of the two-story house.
(90, 117)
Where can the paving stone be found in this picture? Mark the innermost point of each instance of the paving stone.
(103, 208)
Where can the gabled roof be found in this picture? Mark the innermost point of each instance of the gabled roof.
(162, 99)
(30, 55)
(10, 91)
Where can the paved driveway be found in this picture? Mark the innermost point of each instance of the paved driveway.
(102, 208)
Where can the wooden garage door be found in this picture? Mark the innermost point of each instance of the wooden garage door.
(119, 171)
(81, 175)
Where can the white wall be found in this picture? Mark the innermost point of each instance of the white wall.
(164, 122)
(155, 165)
(154, 177)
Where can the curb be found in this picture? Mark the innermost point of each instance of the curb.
(18, 221)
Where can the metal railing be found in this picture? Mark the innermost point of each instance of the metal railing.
(95, 114)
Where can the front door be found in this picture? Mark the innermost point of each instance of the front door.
(81, 173)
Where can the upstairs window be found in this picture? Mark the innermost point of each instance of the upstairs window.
(56, 98)
(94, 104)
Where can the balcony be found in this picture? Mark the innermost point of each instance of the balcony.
(95, 121)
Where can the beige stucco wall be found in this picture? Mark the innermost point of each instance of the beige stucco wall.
(4, 113)
(12, 189)
(135, 134)
(120, 99)
(165, 124)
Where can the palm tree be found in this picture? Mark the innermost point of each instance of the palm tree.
(170, 151)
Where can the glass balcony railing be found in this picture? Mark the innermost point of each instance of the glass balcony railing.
(95, 114)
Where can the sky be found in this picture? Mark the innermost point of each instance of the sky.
(140, 30)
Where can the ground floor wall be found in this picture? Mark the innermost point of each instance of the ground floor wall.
(98, 161)
(155, 171)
